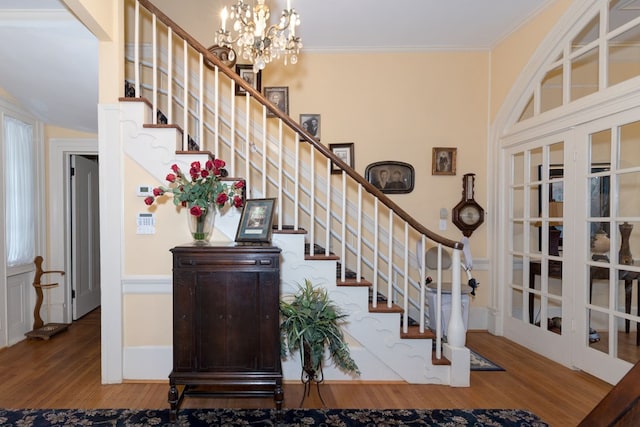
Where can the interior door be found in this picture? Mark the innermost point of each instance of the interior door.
(535, 297)
(85, 236)
(608, 342)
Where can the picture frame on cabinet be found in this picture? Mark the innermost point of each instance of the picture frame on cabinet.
(443, 160)
(256, 221)
(248, 75)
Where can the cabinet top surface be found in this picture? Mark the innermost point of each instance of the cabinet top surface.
(227, 247)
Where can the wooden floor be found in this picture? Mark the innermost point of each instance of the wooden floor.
(64, 372)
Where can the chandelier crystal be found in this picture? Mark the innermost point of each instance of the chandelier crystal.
(254, 39)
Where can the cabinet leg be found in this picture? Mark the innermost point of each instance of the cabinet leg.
(173, 402)
(278, 397)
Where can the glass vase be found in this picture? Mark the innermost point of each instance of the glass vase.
(201, 227)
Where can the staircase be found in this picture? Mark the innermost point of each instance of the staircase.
(184, 99)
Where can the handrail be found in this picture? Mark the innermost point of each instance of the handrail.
(300, 130)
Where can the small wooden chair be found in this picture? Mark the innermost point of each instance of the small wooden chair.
(40, 330)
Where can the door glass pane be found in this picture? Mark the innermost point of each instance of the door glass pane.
(598, 331)
(599, 286)
(518, 236)
(629, 145)
(554, 315)
(584, 74)
(628, 197)
(516, 304)
(628, 348)
(517, 271)
(601, 147)
(535, 305)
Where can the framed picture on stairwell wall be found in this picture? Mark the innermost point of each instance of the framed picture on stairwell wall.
(248, 75)
(344, 151)
(391, 177)
(278, 96)
(443, 161)
(311, 123)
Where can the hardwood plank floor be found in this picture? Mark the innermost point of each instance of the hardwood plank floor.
(64, 372)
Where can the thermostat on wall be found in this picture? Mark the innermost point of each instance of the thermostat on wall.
(144, 190)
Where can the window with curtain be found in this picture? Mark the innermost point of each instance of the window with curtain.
(20, 233)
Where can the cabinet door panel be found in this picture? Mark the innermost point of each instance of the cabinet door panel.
(184, 330)
(269, 321)
(212, 322)
(229, 325)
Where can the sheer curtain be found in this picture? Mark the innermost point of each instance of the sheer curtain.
(20, 233)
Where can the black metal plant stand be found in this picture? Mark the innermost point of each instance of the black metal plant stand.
(309, 376)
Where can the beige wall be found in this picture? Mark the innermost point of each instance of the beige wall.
(398, 107)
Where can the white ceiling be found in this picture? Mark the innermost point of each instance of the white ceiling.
(50, 65)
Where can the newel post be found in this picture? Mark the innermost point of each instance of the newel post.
(456, 334)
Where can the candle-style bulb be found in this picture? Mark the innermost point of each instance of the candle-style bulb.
(223, 15)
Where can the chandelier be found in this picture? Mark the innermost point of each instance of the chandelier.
(254, 39)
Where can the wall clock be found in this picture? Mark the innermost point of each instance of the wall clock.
(468, 214)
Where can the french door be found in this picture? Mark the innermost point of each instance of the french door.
(536, 269)
(574, 216)
(608, 261)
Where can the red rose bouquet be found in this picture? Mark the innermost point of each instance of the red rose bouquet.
(202, 189)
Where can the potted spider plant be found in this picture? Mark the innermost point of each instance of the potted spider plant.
(310, 324)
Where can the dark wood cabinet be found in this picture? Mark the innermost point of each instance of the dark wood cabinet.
(226, 338)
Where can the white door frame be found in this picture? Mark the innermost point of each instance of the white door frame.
(59, 213)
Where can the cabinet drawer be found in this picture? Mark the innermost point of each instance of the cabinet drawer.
(188, 261)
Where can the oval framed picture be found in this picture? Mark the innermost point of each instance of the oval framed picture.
(224, 54)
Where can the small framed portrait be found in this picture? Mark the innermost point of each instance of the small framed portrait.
(391, 177)
(311, 123)
(256, 222)
(443, 161)
(344, 152)
(223, 53)
(278, 96)
(248, 75)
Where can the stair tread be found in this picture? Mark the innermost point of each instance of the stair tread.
(413, 332)
(383, 308)
(353, 282)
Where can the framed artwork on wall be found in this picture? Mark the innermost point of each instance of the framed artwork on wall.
(443, 160)
(248, 75)
(311, 123)
(391, 177)
(278, 96)
(344, 151)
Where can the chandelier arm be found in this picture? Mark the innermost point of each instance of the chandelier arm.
(225, 38)
(276, 28)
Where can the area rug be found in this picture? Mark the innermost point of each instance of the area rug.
(481, 363)
(268, 417)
